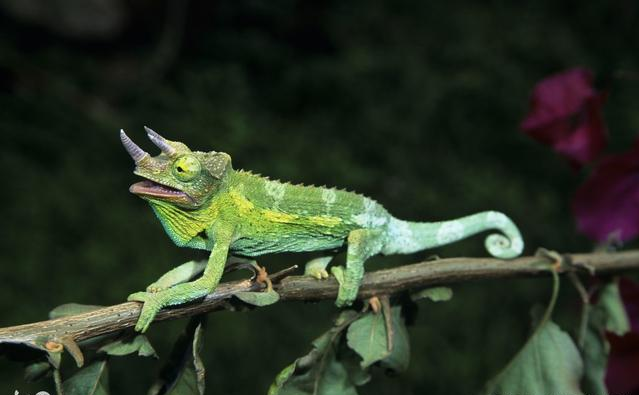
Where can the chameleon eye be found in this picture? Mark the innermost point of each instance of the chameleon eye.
(186, 168)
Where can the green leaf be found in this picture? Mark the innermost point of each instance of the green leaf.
(139, 344)
(281, 379)
(184, 373)
(318, 373)
(399, 356)
(610, 300)
(326, 370)
(90, 380)
(258, 298)
(369, 338)
(436, 294)
(68, 309)
(608, 314)
(549, 362)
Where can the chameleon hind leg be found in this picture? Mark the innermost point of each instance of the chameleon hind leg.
(362, 244)
(177, 275)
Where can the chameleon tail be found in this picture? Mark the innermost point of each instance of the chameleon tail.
(407, 237)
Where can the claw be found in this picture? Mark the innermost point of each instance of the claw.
(153, 288)
(149, 310)
(317, 267)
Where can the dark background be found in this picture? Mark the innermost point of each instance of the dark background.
(414, 103)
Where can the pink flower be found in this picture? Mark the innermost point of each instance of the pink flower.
(608, 201)
(566, 114)
(623, 362)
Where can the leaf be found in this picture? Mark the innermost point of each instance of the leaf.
(610, 300)
(36, 371)
(318, 373)
(139, 344)
(325, 370)
(258, 298)
(368, 337)
(184, 373)
(399, 356)
(549, 362)
(608, 314)
(68, 309)
(436, 294)
(90, 380)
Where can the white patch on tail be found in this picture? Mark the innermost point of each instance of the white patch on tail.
(371, 217)
(450, 231)
(402, 237)
(497, 219)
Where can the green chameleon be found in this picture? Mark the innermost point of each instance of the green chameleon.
(203, 203)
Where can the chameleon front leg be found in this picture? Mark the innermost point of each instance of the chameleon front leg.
(177, 275)
(362, 244)
(186, 292)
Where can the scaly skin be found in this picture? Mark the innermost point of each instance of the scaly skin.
(202, 202)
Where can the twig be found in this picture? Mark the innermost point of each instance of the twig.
(382, 282)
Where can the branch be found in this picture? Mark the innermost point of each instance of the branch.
(71, 329)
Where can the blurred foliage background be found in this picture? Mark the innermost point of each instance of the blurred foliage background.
(414, 103)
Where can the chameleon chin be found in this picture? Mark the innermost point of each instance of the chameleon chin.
(202, 202)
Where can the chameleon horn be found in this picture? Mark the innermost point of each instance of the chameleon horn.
(160, 142)
(136, 152)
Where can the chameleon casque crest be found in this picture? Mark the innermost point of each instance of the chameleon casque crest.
(203, 203)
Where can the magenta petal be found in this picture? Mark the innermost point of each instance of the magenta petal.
(566, 115)
(623, 364)
(608, 201)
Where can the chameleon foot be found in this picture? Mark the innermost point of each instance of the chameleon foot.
(345, 295)
(152, 305)
(317, 267)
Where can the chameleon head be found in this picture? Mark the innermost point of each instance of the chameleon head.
(177, 175)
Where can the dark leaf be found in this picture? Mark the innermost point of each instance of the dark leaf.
(138, 344)
(37, 370)
(324, 370)
(90, 380)
(549, 362)
(184, 373)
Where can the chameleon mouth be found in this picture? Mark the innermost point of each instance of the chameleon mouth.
(151, 189)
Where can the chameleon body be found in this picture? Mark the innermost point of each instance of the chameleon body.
(203, 203)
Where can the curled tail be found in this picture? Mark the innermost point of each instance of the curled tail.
(405, 237)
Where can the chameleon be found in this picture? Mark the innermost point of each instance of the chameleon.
(204, 203)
